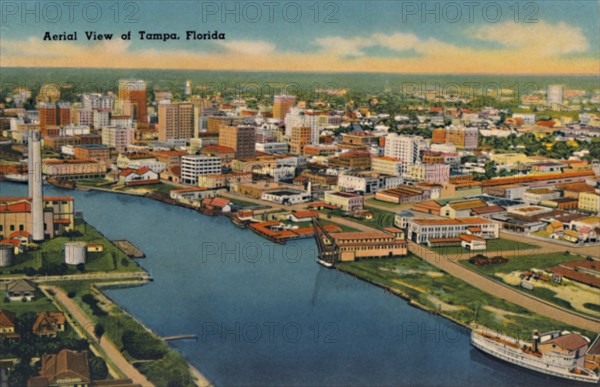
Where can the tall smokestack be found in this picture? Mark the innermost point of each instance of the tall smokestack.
(37, 199)
(30, 163)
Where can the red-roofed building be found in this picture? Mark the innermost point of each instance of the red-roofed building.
(140, 176)
(15, 216)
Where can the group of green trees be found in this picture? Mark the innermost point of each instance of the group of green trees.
(30, 346)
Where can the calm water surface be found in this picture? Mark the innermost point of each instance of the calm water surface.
(269, 315)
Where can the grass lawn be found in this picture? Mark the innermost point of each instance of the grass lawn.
(450, 296)
(161, 188)
(94, 182)
(51, 254)
(495, 245)
(381, 218)
(39, 304)
(524, 263)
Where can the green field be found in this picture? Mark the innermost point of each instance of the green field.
(49, 258)
(543, 261)
(381, 218)
(524, 263)
(449, 296)
(160, 188)
(494, 245)
(39, 304)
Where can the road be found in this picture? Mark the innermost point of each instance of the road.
(136, 275)
(105, 343)
(505, 292)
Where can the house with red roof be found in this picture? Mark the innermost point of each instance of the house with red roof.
(140, 176)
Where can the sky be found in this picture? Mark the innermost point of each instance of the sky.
(466, 37)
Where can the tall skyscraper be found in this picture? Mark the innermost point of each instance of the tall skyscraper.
(54, 114)
(554, 94)
(301, 136)
(405, 148)
(135, 92)
(282, 104)
(176, 121)
(242, 139)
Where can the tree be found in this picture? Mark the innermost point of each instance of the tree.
(99, 331)
(98, 368)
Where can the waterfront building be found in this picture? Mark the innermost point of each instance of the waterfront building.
(344, 200)
(15, 215)
(423, 230)
(461, 208)
(77, 169)
(287, 196)
(364, 245)
(193, 166)
(141, 176)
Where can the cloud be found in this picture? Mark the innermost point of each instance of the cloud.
(248, 47)
(539, 49)
(537, 39)
(356, 46)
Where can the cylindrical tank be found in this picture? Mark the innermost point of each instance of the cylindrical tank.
(7, 255)
(75, 253)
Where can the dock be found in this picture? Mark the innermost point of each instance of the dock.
(129, 248)
(180, 337)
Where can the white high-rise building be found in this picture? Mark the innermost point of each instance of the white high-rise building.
(100, 119)
(405, 148)
(193, 166)
(554, 94)
(97, 101)
(316, 120)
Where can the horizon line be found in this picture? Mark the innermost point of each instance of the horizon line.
(303, 72)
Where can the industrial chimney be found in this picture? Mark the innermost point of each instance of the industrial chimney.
(37, 198)
(30, 163)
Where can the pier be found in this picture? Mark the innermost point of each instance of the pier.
(180, 337)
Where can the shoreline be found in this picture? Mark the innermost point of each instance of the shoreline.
(409, 300)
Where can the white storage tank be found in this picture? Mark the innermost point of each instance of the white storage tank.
(75, 253)
(7, 255)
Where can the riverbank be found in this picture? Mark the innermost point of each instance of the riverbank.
(428, 288)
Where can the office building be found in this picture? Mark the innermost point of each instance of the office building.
(241, 139)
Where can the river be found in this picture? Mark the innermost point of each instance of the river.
(269, 315)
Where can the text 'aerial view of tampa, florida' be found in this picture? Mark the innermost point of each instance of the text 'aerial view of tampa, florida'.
(299, 193)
